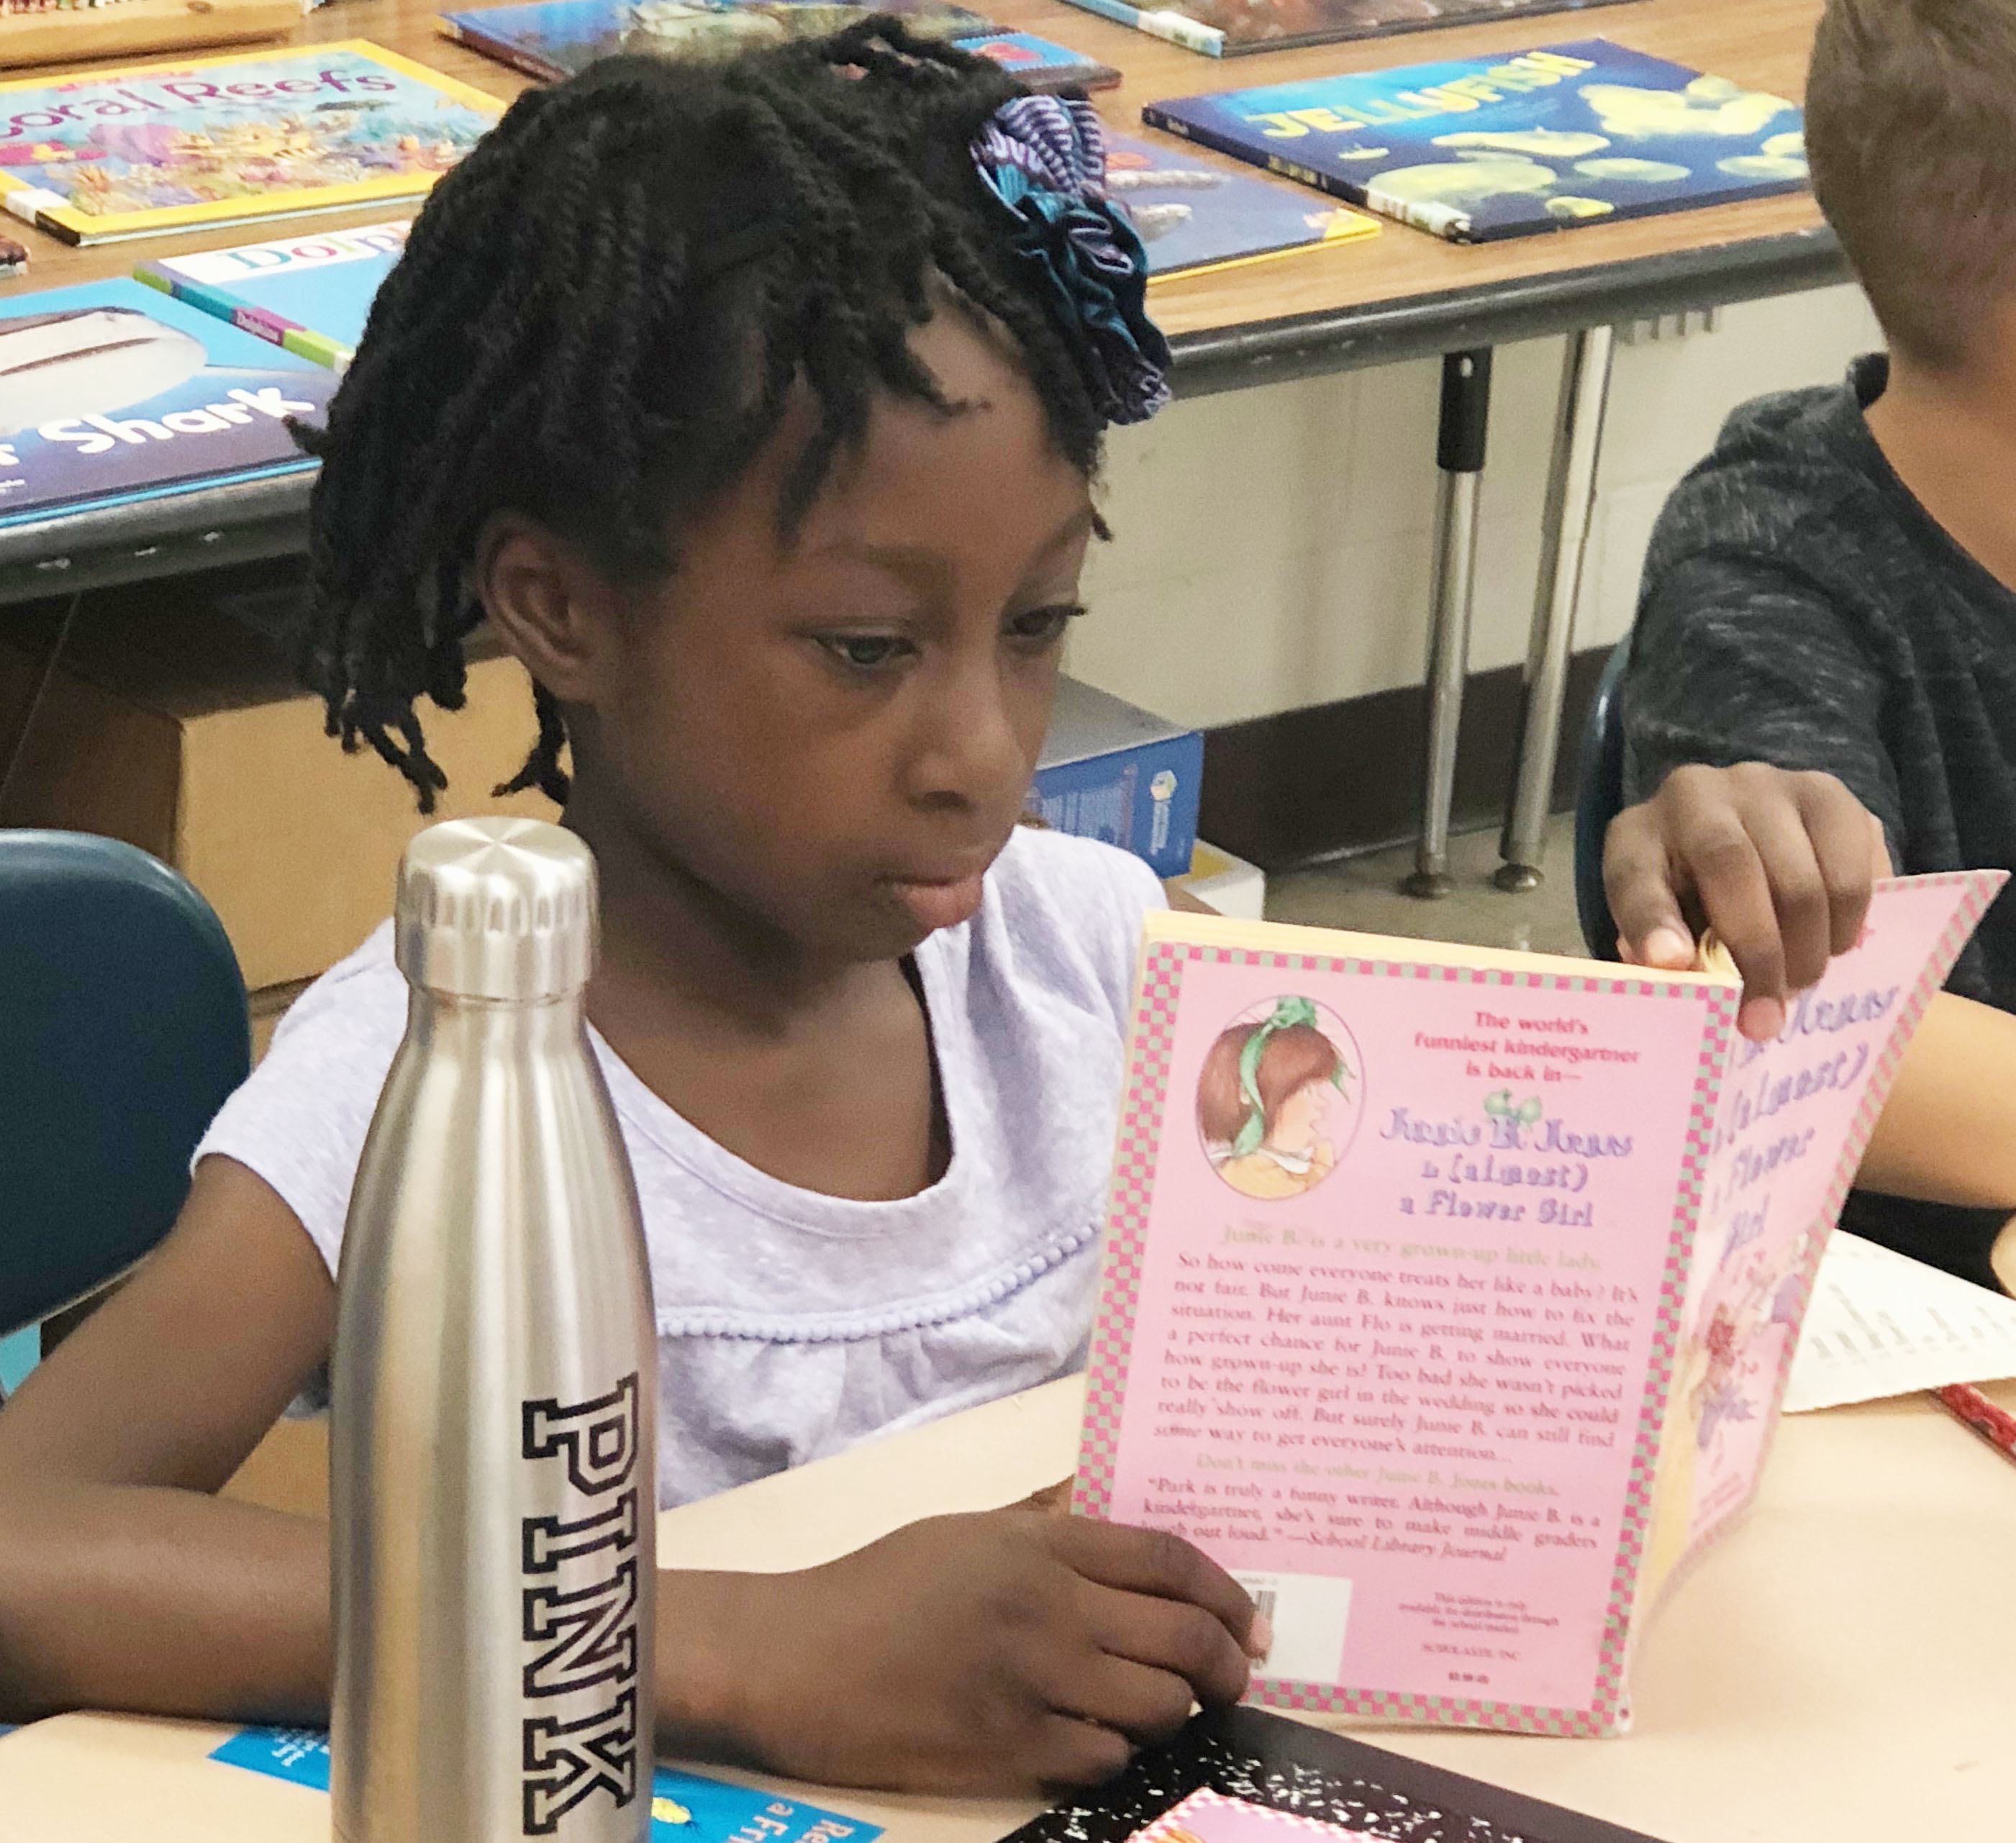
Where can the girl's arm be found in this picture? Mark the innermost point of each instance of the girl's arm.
(125, 1582)
(1012, 1650)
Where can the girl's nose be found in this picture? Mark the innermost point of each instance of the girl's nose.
(970, 750)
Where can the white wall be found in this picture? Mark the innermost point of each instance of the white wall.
(1272, 546)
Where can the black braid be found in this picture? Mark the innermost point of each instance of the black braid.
(600, 316)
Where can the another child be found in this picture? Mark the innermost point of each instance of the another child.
(757, 406)
(1828, 617)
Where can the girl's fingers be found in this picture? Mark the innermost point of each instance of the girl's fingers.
(1144, 1704)
(1071, 1751)
(1153, 1563)
(1171, 1638)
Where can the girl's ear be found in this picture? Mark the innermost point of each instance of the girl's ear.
(549, 605)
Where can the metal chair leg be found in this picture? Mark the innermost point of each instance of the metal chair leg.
(1571, 500)
(1466, 409)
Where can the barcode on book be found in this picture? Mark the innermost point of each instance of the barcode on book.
(1309, 1613)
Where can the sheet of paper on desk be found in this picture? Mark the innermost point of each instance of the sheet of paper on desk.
(686, 1807)
(1880, 1324)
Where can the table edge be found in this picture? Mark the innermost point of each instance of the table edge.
(208, 527)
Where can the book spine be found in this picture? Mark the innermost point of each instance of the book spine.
(318, 348)
(216, 303)
(1446, 222)
(1329, 182)
(1176, 28)
(34, 204)
(519, 59)
(261, 324)
(1242, 147)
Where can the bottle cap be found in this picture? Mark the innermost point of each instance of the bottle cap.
(498, 908)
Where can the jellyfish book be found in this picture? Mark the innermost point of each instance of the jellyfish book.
(124, 152)
(1484, 148)
(110, 392)
(1450, 1294)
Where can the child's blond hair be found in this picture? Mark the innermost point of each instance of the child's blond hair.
(1911, 130)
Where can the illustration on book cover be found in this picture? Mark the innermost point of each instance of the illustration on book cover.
(1279, 1098)
(168, 137)
(111, 391)
(1480, 147)
(561, 38)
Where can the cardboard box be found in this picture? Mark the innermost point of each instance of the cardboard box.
(178, 729)
(1228, 884)
(1109, 771)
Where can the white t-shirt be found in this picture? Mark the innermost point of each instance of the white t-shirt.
(792, 1324)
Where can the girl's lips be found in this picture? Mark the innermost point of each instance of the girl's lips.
(935, 905)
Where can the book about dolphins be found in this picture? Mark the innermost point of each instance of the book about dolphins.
(310, 293)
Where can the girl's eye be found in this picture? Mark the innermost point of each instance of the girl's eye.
(1043, 627)
(864, 652)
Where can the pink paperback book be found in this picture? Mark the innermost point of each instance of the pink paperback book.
(1450, 1294)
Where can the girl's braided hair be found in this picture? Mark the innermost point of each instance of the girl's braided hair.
(599, 320)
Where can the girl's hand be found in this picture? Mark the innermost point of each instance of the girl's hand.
(1008, 1651)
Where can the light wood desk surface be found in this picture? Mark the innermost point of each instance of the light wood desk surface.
(1842, 1667)
(1401, 294)
(1762, 44)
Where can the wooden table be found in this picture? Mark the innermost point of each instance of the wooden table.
(1842, 1667)
(1403, 294)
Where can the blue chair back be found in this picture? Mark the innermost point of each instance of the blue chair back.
(1599, 799)
(123, 1027)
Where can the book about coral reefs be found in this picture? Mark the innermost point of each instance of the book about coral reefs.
(128, 152)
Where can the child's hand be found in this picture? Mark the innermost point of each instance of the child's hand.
(1008, 1651)
(1779, 864)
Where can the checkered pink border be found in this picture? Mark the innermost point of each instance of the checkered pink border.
(1143, 1106)
(1982, 888)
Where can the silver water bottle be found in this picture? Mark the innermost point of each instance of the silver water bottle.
(493, 1458)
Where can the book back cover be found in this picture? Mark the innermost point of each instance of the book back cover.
(1390, 1303)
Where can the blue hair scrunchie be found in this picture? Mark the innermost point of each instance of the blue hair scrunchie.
(1044, 158)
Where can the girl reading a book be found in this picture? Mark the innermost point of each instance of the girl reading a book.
(1262, 1102)
(756, 407)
